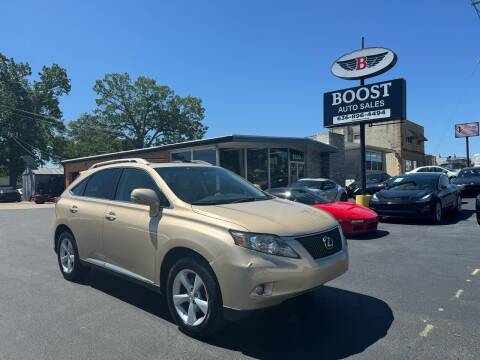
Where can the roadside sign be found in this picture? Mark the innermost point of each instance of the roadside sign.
(376, 102)
(466, 130)
(364, 63)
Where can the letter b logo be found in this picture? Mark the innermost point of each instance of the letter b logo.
(361, 62)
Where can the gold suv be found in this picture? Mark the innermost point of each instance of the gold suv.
(213, 243)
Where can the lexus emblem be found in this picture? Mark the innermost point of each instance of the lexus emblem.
(327, 242)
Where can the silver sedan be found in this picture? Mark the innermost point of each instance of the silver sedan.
(323, 187)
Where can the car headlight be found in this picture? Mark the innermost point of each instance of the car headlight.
(425, 198)
(269, 244)
(374, 197)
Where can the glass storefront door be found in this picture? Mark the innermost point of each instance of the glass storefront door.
(297, 171)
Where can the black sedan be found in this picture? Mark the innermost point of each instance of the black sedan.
(468, 181)
(9, 195)
(375, 183)
(417, 195)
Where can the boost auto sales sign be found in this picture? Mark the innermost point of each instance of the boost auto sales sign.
(376, 102)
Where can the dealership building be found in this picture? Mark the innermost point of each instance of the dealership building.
(264, 160)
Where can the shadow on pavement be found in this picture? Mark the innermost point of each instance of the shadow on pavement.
(370, 236)
(328, 323)
(448, 219)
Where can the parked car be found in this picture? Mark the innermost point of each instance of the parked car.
(9, 195)
(327, 188)
(468, 181)
(42, 198)
(434, 169)
(217, 246)
(477, 209)
(375, 183)
(354, 219)
(419, 194)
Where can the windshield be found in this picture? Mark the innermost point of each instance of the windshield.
(209, 185)
(469, 173)
(413, 183)
(308, 198)
(312, 184)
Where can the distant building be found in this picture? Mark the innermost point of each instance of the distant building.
(46, 181)
(393, 148)
(453, 162)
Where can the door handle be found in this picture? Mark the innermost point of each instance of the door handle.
(110, 216)
(74, 209)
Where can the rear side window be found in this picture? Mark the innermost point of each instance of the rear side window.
(79, 189)
(102, 184)
(137, 179)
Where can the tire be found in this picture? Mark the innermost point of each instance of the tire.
(207, 318)
(458, 208)
(67, 252)
(437, 214)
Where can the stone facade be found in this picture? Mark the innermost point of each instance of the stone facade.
(336, 161)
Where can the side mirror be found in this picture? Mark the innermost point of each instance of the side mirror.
(146, 197)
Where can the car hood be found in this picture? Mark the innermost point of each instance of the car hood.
(347, 210)
(275, 216)
(468, 180)
(403, 194)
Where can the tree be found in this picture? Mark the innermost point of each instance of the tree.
(142, 113)
(29, 113)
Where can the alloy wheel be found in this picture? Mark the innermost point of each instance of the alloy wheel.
(67, 255)
(190, 297)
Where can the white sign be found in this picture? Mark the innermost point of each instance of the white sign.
(364, 63)
(466, 130)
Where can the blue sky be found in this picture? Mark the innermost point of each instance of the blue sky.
(261, 67)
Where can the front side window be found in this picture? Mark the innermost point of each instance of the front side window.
(137, 179)
(102, 184)
(79, 189)
(444, 181)
(202, 185)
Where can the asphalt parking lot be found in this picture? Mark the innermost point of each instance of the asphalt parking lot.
(412, 292)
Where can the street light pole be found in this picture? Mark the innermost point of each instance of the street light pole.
(468, 151)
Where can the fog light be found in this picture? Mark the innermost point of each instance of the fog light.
(258, 290)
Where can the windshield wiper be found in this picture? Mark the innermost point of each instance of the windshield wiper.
(247, 200)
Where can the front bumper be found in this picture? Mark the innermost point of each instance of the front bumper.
(284, 277)
(407, 209)
(367, 226)
(469, 190)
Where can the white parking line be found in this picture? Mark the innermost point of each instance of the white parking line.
(475, 272)
(427, 329)
(458, 293)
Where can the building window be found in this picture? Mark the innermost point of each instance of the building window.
(410, 165)
(257, 167)
(207, 155)
(356, 137)
(233, 160)
(374, 161)
(278, 168)
(182, 156)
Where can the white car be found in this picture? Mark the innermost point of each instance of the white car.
(435, 169)
(324, 187)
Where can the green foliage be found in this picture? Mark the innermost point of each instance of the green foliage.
(22, 131)
(142, 113)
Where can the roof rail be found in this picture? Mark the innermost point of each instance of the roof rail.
(119, 161)
(201, 162)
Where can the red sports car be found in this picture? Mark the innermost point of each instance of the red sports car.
(353, 218)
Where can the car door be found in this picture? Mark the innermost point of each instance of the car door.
(445, 193)
(130, 235)
(87, 204)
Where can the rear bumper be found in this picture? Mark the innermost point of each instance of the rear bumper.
(470, 190)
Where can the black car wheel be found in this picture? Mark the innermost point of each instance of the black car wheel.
(458, 209)
(194, 299)
(437, 213)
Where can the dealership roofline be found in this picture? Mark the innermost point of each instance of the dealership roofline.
(217, 140)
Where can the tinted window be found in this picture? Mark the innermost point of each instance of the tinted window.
(305, 197)
(102, 184)
(137, 179)
(312, 184)
(328, 185)
(469, 173)
(444, 181)
(411, 182)
(202, 185)
(80, 188)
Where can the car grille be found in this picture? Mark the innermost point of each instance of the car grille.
(317, 245)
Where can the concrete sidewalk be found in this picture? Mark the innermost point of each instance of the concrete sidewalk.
(24, 205)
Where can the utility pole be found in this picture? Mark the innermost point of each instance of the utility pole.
(363, 160)
(468, 151)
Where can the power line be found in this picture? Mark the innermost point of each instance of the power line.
(23, 147)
